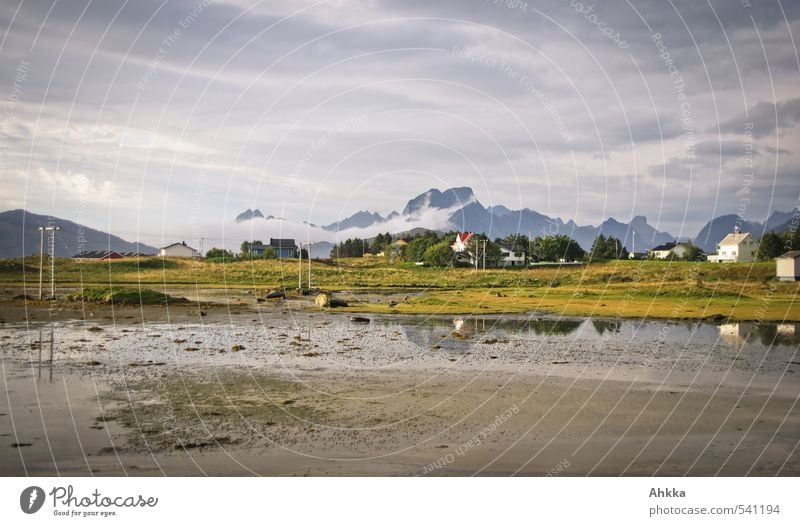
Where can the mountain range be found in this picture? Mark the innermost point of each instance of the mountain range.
(450, 209)
(19, 236)
(459, 209)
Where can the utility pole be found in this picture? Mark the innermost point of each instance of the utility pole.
(300, 268)
(309, 264)
(41, 262)
(53, 265)
(484, 254)
(42, 230)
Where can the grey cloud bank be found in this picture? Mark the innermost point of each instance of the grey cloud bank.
(191, 111)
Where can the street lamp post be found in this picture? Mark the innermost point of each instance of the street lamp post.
(42, 229)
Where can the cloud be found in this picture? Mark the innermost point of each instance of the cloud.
(765, 118)
(232, 102)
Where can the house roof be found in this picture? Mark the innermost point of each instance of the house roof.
(97, 254)
(182, 243)
(463, 236)
(665, 246)
(735, 238)
(515, 248)
(282, 243)
(792, 254)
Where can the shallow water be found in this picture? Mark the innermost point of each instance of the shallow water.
(58, 393)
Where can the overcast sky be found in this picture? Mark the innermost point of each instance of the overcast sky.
(157, 119)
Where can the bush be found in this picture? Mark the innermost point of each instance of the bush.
(122, 296)
(439, 255)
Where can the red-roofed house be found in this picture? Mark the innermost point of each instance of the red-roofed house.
(462, 239)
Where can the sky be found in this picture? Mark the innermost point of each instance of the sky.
(161, 120)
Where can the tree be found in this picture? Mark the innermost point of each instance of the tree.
(380, 243)
(791, 239)
(439, 255)
(350, 248)
(692, 252)
(608, 248)
(555, 248)
(215, 252)
(771, 246)
(516, 240)
(247, 246)
(480, 243)
(415, 250)
(493, 254)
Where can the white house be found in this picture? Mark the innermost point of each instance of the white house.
(461, 243)
(735, 248)
(512, 256)
(179, 250)
(667, 249)
(788, 266)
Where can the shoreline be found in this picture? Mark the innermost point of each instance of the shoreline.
(425, 303)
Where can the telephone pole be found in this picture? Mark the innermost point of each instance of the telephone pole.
(484, 254)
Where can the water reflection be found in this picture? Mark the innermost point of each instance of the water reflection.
(548, 327)
(603, 326)
(766, 333)
(430, 331)
(40, 346)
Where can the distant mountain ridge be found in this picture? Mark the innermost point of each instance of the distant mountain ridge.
(19, 236)
(716, 229)
(461, 210)
(248, 214)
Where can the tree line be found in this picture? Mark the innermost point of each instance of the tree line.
(435, 250)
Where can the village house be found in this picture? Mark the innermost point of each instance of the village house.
(258, 249)
(667, 250)
(461, 248)
(461, 244)
(788, 266)
(179, 250)
(284, 248)
(737, 247)
(512, 256)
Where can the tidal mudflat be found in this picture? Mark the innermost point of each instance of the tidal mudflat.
(274, 391)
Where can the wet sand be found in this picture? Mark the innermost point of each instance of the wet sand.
(269, 389)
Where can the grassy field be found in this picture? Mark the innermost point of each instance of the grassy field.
(618, 288)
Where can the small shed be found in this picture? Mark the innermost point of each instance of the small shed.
(788, 266)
